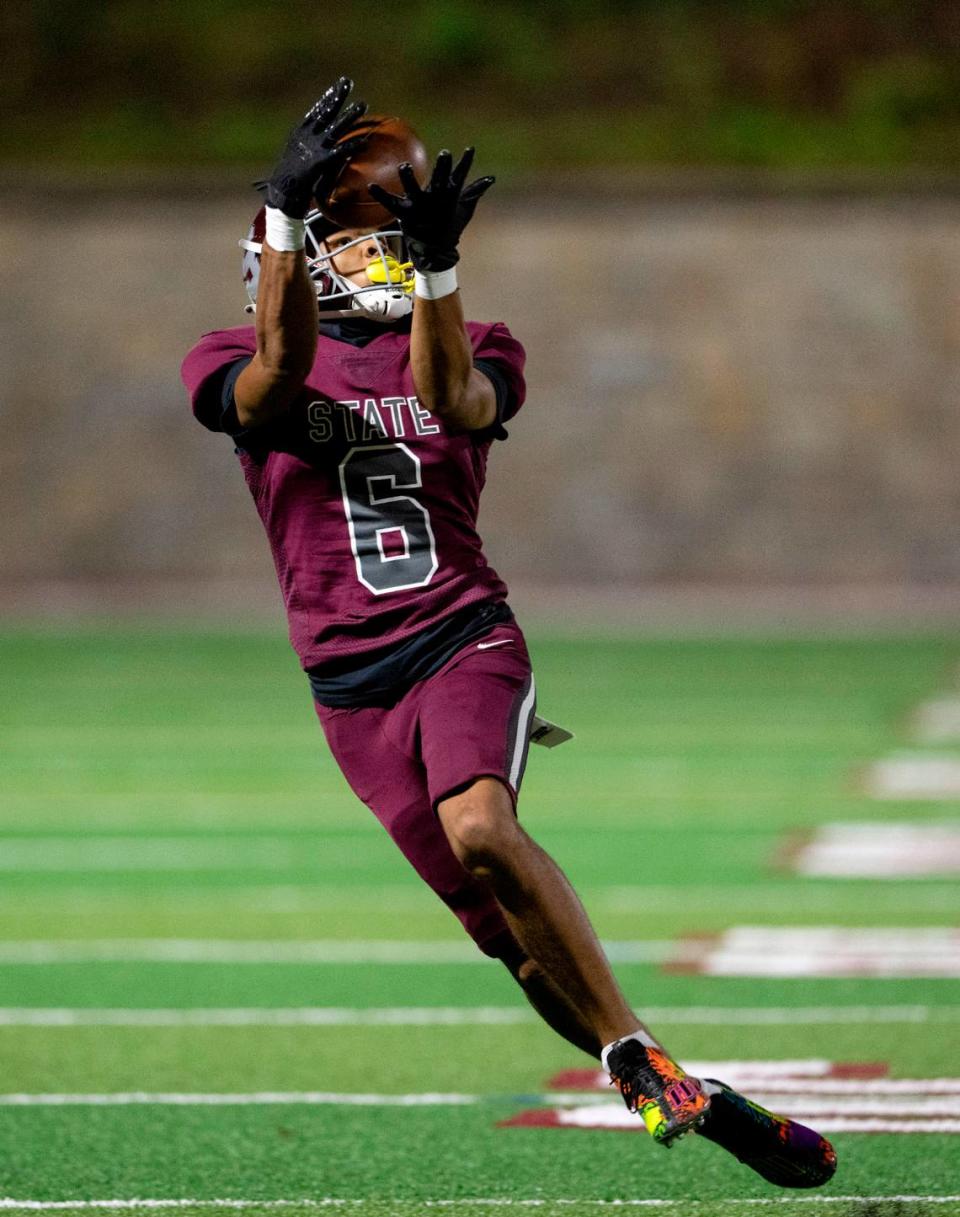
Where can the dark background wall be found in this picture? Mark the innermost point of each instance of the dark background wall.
(726, 232)
(752, 388)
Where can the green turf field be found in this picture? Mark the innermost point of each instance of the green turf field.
(193, 906)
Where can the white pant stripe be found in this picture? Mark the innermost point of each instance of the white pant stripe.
(522, 741)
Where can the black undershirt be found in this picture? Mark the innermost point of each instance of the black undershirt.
(381, 677)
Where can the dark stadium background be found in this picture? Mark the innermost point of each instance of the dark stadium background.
(818, 84)
(725, 232)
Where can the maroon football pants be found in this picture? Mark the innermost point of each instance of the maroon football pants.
(471, 719)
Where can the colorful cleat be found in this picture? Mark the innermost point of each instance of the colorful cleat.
(778, 1149)
(668, 1101)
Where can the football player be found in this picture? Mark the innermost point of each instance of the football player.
(363, 408)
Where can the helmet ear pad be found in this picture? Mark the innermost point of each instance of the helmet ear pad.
(319, 229)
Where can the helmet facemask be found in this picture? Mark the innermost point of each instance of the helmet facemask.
(388, 297)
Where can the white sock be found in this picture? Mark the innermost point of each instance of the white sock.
(645, 1039)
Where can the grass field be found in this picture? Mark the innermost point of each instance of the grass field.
(220, 982)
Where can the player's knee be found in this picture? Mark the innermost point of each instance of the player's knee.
(480, 825)
(478, 839)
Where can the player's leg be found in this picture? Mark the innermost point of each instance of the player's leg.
(474, 721)
(385, 754)
(474, 784)
(377, 751)
(548, 920)
(538, 903)
(549, 1001)
(474, 725)
(379, 754)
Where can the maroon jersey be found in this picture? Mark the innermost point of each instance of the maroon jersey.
(369, 501)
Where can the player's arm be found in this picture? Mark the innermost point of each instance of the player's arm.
(286, 299)
(433, 218)
(286, 338)
(441, 360)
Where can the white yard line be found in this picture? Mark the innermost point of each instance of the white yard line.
(779, 1086)
(813, 1106)
(316, 1016)
(882, 851)
(234, 951)
(867, 1124)
(186, 853)
(619, 1119)
(836, 1115)
(285, 951)
(914, 776)
(761, 1016)
(264, 1098)
(827, 951)
(941, 940)
(270, 897)
(593, 1110)
(314, 1202)
(761, 951)
(428, 1016)
(937, 721)
(860, 1088)
(747, 963)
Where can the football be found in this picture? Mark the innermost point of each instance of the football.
(390, 142)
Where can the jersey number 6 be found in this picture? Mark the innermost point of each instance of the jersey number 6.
(390, 533)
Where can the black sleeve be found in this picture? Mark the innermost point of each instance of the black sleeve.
(489, 368)
(214, 402)
(229, 423)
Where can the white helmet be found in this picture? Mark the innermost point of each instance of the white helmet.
(387, 299)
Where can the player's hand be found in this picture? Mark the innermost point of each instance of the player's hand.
(312, 158)
(433, 217)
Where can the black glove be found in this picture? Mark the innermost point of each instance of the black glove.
(312, 158)
(432, 218)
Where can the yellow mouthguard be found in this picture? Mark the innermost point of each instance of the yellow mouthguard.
(389, 270)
